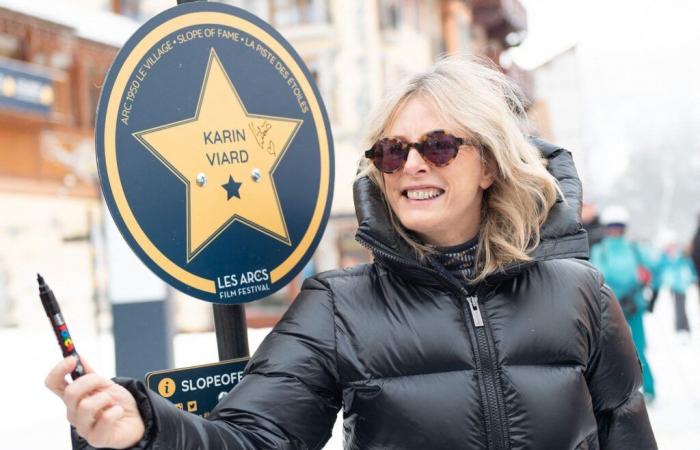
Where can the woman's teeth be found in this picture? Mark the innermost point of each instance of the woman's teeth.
(424, 194)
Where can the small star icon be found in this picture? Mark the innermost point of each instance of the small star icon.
(231, 188)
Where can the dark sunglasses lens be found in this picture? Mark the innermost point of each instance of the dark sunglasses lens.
(440, 148)
(388, 155)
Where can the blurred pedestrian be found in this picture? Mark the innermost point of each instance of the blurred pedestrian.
(6, 303)
(622, 263)
(652, 259)
(591, 223)
(695, 252)
(678, 275)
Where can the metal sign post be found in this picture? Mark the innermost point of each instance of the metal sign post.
(215, 157)
(231, 331)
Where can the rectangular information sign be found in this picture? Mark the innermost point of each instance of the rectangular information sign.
(25, 87)
(197, 389)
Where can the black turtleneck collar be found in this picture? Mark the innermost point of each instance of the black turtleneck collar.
(459, 259)
(459, 248)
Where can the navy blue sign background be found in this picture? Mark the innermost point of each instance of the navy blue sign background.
(164, 98)
(170, 93)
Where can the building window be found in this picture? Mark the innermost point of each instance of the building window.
(389, 15)
(10, 46)
(130, 8)
(299, 12)
(411, 14)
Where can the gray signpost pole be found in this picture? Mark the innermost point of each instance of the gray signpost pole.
(229, 320)
(231, 331)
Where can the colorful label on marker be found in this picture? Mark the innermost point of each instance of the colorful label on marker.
(64, 339)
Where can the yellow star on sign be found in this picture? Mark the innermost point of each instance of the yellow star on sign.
(226, 157)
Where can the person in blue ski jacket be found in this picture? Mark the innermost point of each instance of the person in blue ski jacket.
(626, 272)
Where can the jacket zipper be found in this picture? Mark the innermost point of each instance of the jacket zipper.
(476, 312)
(486, 369)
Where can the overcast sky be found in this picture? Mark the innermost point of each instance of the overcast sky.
(639, 64)
(645, 52)
(669, 27)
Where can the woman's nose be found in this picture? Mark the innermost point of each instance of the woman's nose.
(415, 162)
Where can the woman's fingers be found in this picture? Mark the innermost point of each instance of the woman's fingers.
(56, 379)
(109, 416)
(102, 411)
(86, 365)
(80, 388)
(104, 427)
(90, 409)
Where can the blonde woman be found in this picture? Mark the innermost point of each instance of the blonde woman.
(478, 326)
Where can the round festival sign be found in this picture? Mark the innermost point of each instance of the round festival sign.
(215, 153)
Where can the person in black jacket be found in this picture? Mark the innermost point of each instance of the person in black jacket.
(695, 251)
(479, 325)
(591, 223)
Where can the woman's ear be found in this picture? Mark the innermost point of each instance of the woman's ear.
(488, 174)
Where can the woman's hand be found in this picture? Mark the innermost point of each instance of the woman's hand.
(103, 412)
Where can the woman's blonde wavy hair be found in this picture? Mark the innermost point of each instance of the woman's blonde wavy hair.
(479, 102)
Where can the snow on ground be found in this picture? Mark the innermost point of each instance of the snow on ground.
(32, 418)
(675, 364)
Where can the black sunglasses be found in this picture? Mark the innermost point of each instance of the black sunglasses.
(437, 148)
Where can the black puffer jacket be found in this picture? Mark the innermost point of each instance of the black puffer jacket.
(404, 352)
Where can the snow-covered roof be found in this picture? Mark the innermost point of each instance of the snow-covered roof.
(84, 17)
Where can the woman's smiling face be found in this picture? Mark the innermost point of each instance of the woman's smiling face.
(442, 205)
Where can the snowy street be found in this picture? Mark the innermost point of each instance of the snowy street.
(32, 418)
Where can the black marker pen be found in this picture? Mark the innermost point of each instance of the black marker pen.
(59, 325)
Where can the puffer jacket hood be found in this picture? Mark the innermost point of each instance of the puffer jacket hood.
(561, 235)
